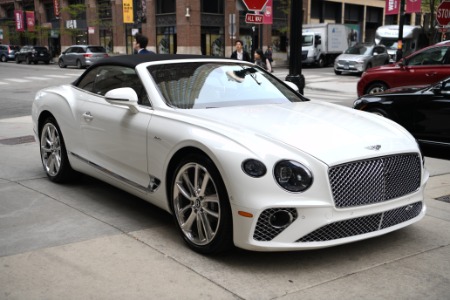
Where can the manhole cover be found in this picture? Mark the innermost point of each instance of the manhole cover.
(444, 198)
(18, 140)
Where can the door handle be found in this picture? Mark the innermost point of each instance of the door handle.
(87, 116)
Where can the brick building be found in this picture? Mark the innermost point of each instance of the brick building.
(176, 26)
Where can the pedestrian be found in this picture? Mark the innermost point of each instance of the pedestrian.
(240, 53)
(140, 44)
(268, 55)
(261, 60)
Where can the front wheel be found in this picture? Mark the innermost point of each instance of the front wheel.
(200, 205)
(53, 153)
(376, 87)
(3, 58)
(337, 72)
(61, 64)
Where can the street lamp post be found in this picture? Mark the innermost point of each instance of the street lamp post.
(399, 53)
(295, 63)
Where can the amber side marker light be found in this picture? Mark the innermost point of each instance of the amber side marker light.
(245, 214)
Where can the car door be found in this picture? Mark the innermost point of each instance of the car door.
(69, 57)
(115, 137)
(432, 115)
(426, 67)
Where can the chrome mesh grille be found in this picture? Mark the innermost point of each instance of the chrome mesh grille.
(264, 231)
(362, 225)
(375, 180)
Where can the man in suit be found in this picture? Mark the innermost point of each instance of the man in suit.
(140, 44)
(240, 53)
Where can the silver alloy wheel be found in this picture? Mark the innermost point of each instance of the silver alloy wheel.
(196, 204)
(377, 89)
(51, 149)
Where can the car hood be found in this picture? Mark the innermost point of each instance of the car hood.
(383, 68)
(405, 89)
(353, 57)
(331, 133)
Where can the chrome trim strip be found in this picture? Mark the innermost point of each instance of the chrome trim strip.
(153, 182)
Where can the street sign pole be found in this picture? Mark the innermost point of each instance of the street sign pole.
(295, 42)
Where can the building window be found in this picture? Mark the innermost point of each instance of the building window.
(213, 6)
(213, 41)
(166, 40)
(165, 6)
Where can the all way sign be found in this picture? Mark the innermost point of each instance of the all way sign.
(252, 18)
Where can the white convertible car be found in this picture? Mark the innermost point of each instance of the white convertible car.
(236, 155)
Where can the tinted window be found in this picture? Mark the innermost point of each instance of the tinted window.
(40, 49)
(433, 56)
(96, 49)
(103, 79)
(2, 47)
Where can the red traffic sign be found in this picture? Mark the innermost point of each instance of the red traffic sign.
(443, 13)
(251, 18)
(255, 5)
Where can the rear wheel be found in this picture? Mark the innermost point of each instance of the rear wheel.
(79, 65)
(200, 205)
(53, 153)
(3, 58)
(17, 60)
(61, 63)
(376, 87)
(28, 60)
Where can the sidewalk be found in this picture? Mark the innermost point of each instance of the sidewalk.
(89, 240)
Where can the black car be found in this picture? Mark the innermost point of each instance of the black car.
(8, 52)
(33, 54)
(423, 110)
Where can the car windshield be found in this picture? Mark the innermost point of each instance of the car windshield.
(391, 44)
(210, 85)
(97, 49)
(359, 49)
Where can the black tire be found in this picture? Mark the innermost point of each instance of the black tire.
(17, 60)
(321, 62)
(46, 62)
(376, 87)
(79, 65)
(197, 207)
(61, 64)
(28, 60)
(3, 58)
(337, 72)
(379, 111)
(53, 153)
(368, 66)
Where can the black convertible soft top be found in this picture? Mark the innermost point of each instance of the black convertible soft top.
(133, 60)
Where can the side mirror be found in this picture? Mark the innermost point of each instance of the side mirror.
(292, 85)
(123, 96)
(375, 53)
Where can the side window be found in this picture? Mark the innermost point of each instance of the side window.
(107, 78)
(87, 82)
(434, 56)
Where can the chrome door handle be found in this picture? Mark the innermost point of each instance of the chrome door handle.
(87, 116)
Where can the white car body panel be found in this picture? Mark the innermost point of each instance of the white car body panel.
(131, 150)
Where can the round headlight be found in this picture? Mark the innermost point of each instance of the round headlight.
(292, 176)
(254, 168)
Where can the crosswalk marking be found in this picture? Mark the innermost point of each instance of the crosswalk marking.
(34, 78)
(17, 80)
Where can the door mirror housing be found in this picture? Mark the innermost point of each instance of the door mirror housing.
(124, 97)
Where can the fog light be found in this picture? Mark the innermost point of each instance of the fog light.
(281, 219)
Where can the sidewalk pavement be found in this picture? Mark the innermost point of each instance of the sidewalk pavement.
(89, 240)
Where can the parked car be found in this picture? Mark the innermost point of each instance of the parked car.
(423, 110)
(81, 56)
(8, 52)
(33, 54)
(361, 57)
(426, 66)
(237, 156)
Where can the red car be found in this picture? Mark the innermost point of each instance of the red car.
(422, 67)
